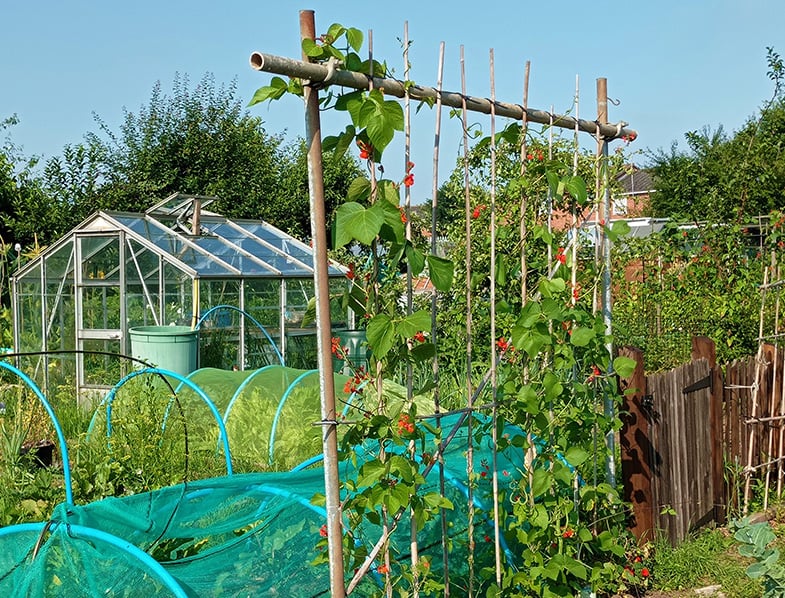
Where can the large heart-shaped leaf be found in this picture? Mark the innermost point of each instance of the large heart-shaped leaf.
(441, 272)
(353, 221)
(381, 335)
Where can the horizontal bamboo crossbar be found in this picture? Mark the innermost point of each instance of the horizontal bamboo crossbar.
(318, 73)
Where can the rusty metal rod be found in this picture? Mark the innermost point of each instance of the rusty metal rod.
(318, 73)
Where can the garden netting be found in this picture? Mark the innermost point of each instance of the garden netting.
(250, 534)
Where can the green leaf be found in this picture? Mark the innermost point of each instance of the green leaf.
(274, 91)
(756, 570)
(575, 456)
(309, 317)
(343, 141)
(529, 315)
(618, 228)
(359, 189)
(501, 270)
(582, 336)
(414, 323)
(356, 222)
(577, 188)
(624, 366)
(393, 114)
(440, 271)
(388, 190)
(379, 133)
(355, 38)
(530, 340)
(371, 472)
(541, 482)
(415, 258)
(311, 48)
(381, 335)
(352, 103)
(423, 352)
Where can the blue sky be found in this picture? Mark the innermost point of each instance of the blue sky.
(672, 66)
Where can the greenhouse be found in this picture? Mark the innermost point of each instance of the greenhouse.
(214, 292)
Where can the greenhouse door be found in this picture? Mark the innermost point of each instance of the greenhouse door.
(100, 310)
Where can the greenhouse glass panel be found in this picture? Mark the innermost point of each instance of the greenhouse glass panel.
(230, 255)
(101, 369)
(277, 262)
(218, 292)
(338, 314)
(289, 255)
(174, 245)
(29, 298)
(263, 301)
(101, 307)
(178, 296)
(59, 298)
(142, 286)
(298, 293)
(100, 258)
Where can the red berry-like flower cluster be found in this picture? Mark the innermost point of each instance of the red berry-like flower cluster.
(366, 150)
(561, 257)
(353, 384)
(405, 425)
(408, 180)
(504, 345)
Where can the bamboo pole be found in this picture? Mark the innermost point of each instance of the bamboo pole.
(413, 545)
(749, 469)
(494, 381)
(776, 386)
(317, 73)
(467, 215)
(332, 484)
(434, 307)
(524, 202)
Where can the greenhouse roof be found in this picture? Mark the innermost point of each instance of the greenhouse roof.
(208, 244)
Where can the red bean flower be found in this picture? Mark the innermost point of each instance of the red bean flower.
(419, 337)
(560, 256)
(408, 180)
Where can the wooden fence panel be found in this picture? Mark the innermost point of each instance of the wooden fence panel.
(683, 429)
(682, 446)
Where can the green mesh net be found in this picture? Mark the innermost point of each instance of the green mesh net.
(251, 534)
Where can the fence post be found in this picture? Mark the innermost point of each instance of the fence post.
(703, 346)
(636, 449)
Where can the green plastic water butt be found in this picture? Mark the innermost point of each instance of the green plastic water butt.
(355, 345)
(173, 348)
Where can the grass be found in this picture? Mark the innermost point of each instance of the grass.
(709, 557)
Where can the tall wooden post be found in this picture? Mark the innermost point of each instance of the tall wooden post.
(323, 324)
(637, 453)
(704, 347)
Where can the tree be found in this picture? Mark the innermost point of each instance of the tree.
(727, 177)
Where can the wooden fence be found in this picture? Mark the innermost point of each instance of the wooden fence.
(702, 440)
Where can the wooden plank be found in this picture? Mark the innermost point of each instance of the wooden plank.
(704, 347)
